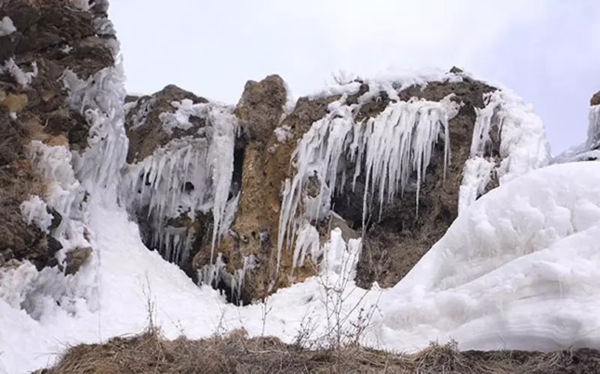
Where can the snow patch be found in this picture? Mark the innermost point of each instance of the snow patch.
(22, 78)
(181, 118)
(283, 133)
(35, 211)
(7, 26)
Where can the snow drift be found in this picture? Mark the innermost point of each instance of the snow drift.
(515, 271)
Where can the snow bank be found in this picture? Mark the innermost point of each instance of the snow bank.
(517, 270)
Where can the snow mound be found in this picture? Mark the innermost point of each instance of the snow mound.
(517, 270)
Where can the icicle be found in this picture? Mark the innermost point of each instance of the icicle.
(307, 241)
(593, 135)
(317, 154)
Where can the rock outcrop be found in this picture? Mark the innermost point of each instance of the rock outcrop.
(240, 197)
(252, 256)
(41, 41)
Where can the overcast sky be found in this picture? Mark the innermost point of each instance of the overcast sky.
(548, 51)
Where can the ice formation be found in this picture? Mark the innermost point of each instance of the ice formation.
(392, 146)
(35, 212)
(593, 135)
(100, 99)
(587, 151)
(187, 176)
(523, 144)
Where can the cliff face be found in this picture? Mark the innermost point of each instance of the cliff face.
(41, 41)
(449, 122)
(240, 197)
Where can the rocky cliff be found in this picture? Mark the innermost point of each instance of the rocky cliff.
(42, 44)
(296, 171)
(240, 196)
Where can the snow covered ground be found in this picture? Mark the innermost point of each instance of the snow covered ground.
(518, 269)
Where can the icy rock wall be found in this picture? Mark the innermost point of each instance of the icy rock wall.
(391, 146)
(70, 113)
(187, 176)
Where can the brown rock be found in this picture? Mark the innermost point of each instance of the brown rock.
(76, 258)
(595, 100)
(144, 127)
(261, 107)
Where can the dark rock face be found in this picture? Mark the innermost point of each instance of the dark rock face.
(144, 125)
(51, 36)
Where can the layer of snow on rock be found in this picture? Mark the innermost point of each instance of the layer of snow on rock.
(7, 26)
(35, 212)
(181, 118)
(517, 270)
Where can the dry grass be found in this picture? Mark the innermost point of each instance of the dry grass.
(150, 353)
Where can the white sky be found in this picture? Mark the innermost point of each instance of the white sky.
(548, 51)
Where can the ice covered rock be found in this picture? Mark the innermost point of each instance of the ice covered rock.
(178, 183)
(590, 150)
(261, 173)
(152, 121)
(35, 106)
